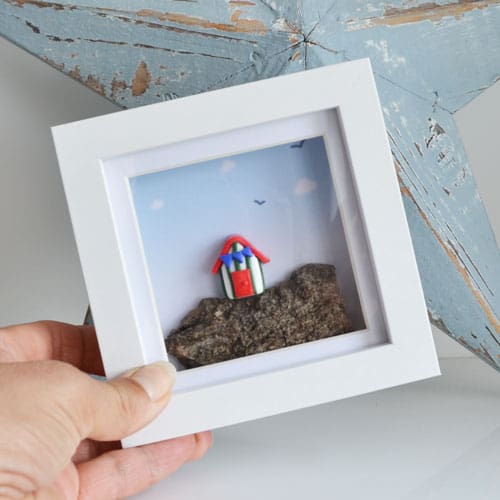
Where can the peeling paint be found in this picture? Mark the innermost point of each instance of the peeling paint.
(430, 11)
(37, 3)
(241, 3)
(460, 268)
(388, 56)
(117, 86)
(94, 83)
(435, 130)
(284, 25)
(133, 17)
(34, 28)
(75, 73)
(480, 351)
(141, 80)
(241, 25)
(59, 66)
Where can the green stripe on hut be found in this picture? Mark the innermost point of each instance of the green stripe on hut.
(240, 267)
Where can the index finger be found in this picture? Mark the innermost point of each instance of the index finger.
(121, 473)
(42, 340)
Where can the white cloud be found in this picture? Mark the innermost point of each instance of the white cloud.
(305, 186)
(157, 204)
(227, 165)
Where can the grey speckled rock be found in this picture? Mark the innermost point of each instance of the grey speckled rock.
(306, 307)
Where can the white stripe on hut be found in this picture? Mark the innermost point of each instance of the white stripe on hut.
(240, 268)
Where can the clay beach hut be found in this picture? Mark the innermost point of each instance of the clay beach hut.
(240, 267)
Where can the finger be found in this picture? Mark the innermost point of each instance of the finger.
(89, 449)
(76, 345)
(122, 473)
(204, 442)
(68, 482)
(115, 409)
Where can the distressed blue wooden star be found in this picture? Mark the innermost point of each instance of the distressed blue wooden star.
(429, 59)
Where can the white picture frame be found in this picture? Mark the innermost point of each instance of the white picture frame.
(98, 157)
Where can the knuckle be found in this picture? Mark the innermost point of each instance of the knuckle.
(152, 466)
(126, 401)
(67, 386)
(63, 372)
(117, 475)
(121, 472)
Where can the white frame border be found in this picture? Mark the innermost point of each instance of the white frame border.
(350, 88)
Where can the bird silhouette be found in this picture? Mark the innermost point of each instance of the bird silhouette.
(259, 202)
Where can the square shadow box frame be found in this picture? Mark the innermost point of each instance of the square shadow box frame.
(391, 341)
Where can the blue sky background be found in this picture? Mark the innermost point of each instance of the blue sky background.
(185, 215)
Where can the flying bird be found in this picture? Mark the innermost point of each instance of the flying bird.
(259, 202)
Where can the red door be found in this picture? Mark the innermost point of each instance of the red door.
(242, 283)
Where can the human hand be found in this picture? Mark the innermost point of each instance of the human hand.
(59, 427)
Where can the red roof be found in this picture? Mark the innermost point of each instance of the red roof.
(227, 246)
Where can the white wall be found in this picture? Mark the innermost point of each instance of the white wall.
(40, 275)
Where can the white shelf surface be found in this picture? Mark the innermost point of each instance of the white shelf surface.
(433, 440)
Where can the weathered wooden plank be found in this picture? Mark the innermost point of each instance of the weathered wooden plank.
(430, 58)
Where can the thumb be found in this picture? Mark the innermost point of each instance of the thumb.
(122, 406)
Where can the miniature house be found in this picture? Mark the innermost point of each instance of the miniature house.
(240, 267)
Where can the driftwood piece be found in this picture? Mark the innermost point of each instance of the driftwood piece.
(307, 307)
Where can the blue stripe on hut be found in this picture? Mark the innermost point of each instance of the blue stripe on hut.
(240, 267)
